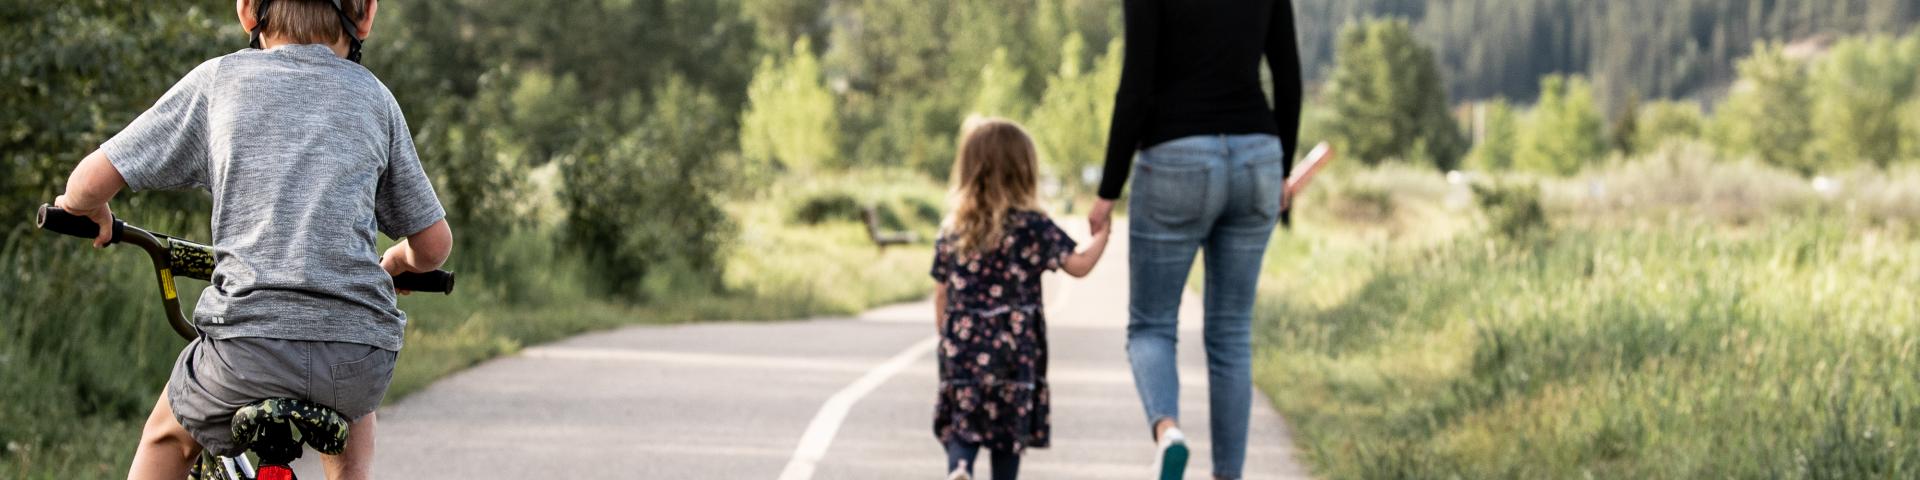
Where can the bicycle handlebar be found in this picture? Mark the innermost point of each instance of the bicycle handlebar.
(193, 260)
(56, 220)
(440, 281)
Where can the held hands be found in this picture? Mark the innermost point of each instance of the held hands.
(1081, 263)
(100, 214)
(1100, 219)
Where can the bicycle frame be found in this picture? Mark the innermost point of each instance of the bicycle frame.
(192, 260)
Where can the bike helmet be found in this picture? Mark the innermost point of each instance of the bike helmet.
(346, 23)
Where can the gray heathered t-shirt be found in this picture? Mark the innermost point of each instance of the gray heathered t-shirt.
(306, 155)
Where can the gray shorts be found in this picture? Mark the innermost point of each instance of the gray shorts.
(214, 378)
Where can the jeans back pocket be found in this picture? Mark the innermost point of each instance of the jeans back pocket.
(1171, 195)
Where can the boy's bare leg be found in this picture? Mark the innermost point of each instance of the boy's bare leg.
(356, 461)
(165, 449)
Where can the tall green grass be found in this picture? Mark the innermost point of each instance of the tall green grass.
(1623, 342)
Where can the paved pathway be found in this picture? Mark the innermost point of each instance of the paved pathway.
(845, 398)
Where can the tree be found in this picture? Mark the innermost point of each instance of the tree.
(1661, 48)
(780, 23)
(545, 113)
(78, 72)
(1564, 133)
(790, 120)
(1388, 99)
(645, 209)
(1910, 130)
(1500, 138)
(1768, 114)
(1626, 126)
(1070, 124)
(1856, 89)
(1000, 89)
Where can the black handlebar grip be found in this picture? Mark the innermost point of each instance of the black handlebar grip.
(57, 220)
(437, 281)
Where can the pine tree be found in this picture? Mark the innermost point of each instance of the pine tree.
(1388, 99)
(1565, 132)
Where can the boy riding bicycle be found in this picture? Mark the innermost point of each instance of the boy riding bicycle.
(306, 155)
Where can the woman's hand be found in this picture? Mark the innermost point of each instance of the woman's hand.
(1101, 217)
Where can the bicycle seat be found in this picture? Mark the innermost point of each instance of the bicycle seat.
(269, 427)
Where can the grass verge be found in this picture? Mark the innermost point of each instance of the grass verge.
(1704, 340)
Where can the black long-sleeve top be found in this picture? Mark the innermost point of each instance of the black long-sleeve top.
(1193, 68)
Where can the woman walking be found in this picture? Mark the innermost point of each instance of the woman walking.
(1212, 165)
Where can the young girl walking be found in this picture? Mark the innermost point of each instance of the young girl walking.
(993, 334)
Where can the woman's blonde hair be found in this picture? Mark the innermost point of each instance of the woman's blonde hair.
(993, 175)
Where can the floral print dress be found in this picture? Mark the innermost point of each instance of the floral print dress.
(993, 351)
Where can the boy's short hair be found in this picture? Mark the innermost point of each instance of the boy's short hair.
(310, 21)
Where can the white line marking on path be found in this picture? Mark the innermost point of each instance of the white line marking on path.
(826, 424)
(702, 359)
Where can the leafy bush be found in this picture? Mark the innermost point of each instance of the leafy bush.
(1512, 208)
(646, 212)
(841, 200)
(1667, 121)
(828, 206)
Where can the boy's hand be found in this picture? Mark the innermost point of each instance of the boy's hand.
(100, 214)
(395, 263)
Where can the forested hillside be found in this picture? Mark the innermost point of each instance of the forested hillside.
(1648, 48)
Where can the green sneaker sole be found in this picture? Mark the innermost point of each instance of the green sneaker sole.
(1173, 463)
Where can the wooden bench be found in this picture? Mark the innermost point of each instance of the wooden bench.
(884, 239)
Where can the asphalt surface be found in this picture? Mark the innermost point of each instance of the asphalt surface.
(843, 398)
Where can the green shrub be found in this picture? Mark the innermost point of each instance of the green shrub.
(1667, 121)
(1512, 208)
(646, 212)
(828, 206)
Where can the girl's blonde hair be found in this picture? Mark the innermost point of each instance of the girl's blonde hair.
(993, 175)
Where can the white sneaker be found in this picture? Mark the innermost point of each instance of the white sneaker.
(959, 475)
(1171, 462)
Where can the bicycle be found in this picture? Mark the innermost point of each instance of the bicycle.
(274, 429)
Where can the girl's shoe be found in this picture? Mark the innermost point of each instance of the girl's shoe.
(1171, 463)
(959, 475)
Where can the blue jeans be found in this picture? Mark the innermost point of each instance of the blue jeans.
(1221, 194)
(961, 454)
